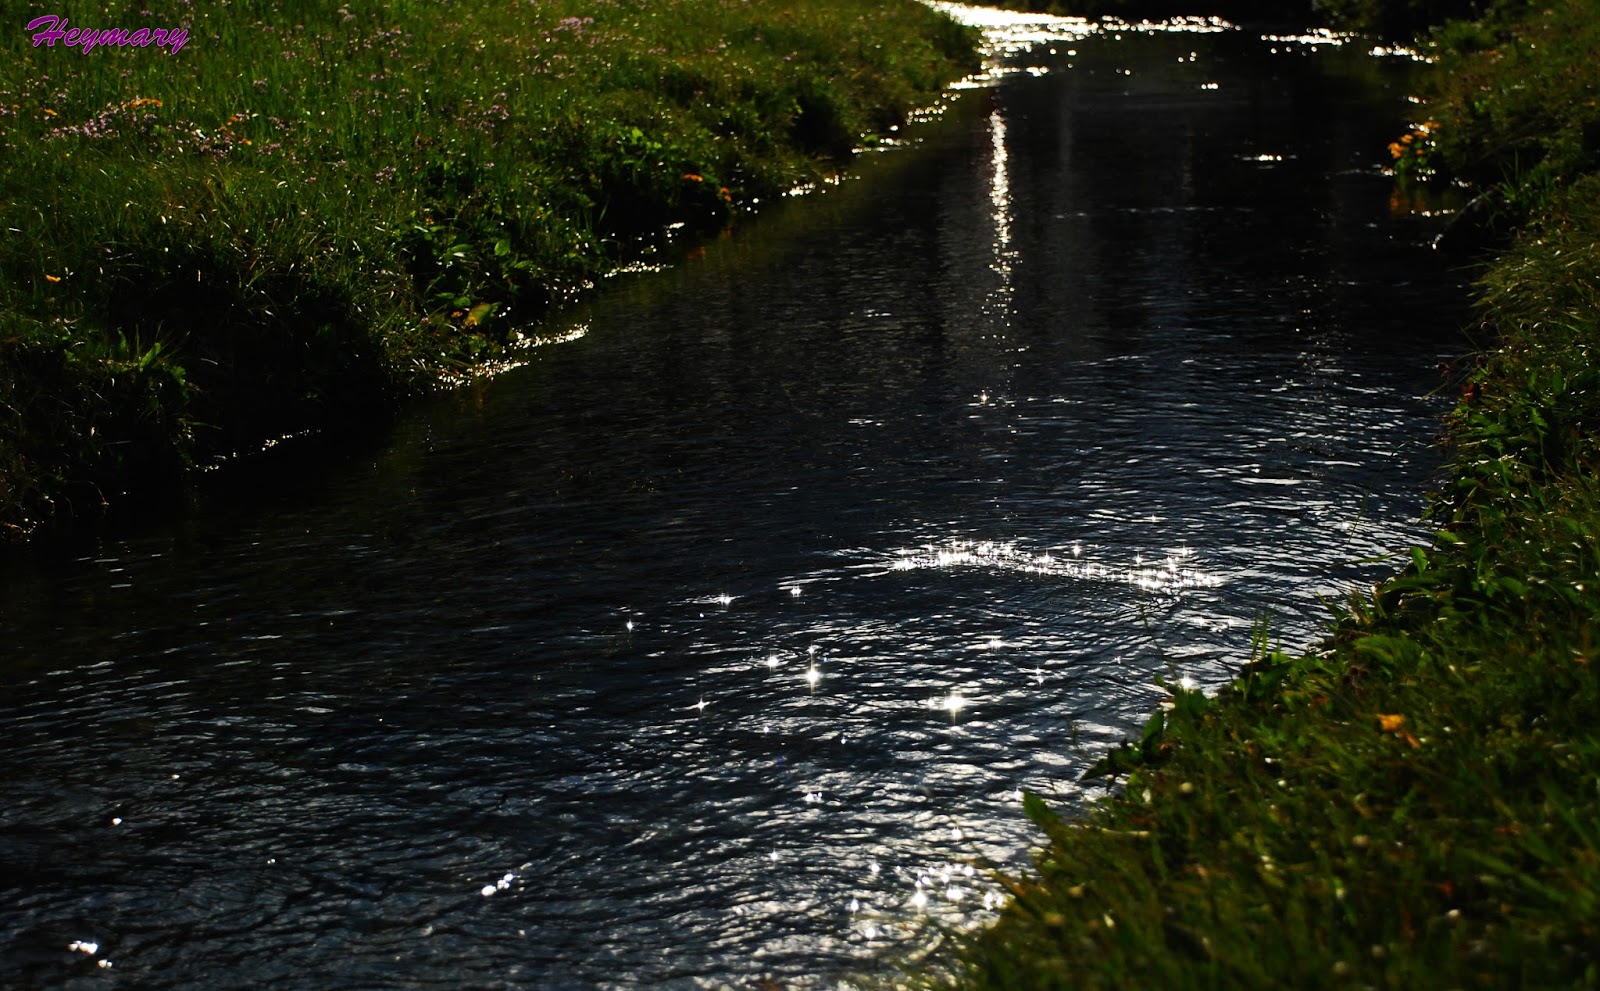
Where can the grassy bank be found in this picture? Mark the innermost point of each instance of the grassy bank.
(1415, 803)
(309, 210)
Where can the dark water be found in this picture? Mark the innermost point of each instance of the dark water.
(908, 491)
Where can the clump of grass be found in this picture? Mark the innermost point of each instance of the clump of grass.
(312, 209)
(1547, 284)
(82, 422)
(1415, 802)
(1515, 101)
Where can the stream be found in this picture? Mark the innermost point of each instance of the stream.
(714, 646)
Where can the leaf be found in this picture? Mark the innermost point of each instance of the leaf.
(1516, 587)
(1038, 812)
(1118, 761)
(1044, 817)
(1153, 731)
(1189, 703)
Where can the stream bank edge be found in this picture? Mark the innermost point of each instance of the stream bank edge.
(212, 249)
(1412, 803)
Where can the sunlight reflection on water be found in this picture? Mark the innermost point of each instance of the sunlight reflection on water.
(719, 646)
(1170, 574)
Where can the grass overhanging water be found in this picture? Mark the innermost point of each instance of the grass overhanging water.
(307, 210)
(1414, 802)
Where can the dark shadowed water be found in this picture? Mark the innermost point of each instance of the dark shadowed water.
(715, 645)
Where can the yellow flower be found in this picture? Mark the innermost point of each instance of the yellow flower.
(1396, 724)
(52, 278)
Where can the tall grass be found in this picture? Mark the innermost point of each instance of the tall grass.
(1515, 98)
(312, 208)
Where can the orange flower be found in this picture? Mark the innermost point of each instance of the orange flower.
(691, 177)
(52, 278)
(1394, 724)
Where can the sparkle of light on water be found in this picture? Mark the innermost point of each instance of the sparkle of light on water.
(718, 643)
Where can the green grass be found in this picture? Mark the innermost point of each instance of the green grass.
(1415, 802)
(313, 209)
(1516, 100)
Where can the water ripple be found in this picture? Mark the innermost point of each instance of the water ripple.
(716, 646)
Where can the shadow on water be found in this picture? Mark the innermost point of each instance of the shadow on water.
(714, 645)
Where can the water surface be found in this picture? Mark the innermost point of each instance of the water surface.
(715, 645)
